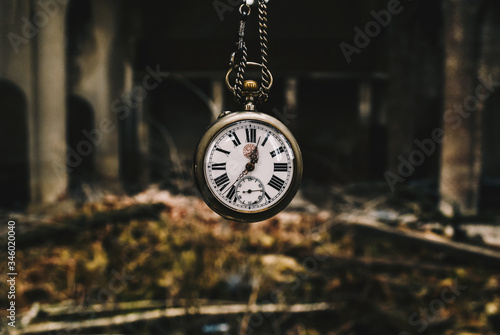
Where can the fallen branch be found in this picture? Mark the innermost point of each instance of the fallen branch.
(339, 260)
(437, 242)
(60, 230)
(175, 312)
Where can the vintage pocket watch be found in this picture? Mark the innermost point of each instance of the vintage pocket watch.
(248, 165)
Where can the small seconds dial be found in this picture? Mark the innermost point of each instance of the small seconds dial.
(249, 166)
(250, 191)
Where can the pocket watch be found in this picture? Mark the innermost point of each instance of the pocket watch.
(247, 165)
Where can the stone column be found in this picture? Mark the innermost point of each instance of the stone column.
(106, 154)
(96, 84)
(48, 121)
(461, 151)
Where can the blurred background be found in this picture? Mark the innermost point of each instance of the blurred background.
(395, 107)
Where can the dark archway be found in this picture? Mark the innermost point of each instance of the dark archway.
(178, 115)
(81, 143)
(14, 156)
(80, 114)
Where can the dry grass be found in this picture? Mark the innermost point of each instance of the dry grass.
(185, 255)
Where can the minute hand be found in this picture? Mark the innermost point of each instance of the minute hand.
(244, 173)
(254, 156)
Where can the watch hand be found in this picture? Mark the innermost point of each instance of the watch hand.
(250, 191)
(254, 156)
(244, 173)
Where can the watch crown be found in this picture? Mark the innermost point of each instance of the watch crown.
(250, 86)
(250, 92)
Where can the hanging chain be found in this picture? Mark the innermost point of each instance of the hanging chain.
(239, 58)
(266, 80)
(241, 53)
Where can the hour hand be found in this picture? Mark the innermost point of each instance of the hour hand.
(254, 156)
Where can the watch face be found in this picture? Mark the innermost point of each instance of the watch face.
(249, 166)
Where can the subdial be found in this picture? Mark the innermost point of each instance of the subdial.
(250, 191)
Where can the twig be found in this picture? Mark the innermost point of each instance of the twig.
(251, 301)
(437, 242)
(384, 262)
(175, 312)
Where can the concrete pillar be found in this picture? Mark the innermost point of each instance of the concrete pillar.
(130, 162)
(107, 154)
(16, 66)
(32, 50)
(489, 69)
(95, 84)
(461, 150)
(49, 128)
(16, 47)
(143, 138)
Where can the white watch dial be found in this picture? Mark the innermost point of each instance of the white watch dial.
(249, 166)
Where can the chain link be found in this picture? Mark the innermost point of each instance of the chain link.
(241, 54)
(239, 58)
(266, 80)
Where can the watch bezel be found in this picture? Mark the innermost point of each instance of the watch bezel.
(199, 171)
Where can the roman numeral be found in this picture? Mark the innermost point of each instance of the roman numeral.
(280, 167)
(267, 196)
(223, 151)
(276, 183)
(235, 139)
(231, 195)
(251, 135)
(222, 181)
(276, 152)
(221, 166)
(265, 140)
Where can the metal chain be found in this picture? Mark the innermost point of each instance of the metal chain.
(241, 53)
(266, 80)
(239, 58)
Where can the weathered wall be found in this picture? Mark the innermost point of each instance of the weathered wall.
(32, 56)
